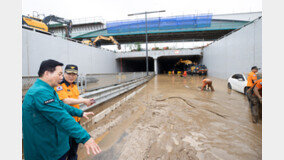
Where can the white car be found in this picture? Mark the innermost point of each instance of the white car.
(238, 82)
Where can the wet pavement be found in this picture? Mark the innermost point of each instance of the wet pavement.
(170, 118)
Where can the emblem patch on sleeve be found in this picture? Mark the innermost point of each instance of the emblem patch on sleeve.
(59, 88)
(48, 101)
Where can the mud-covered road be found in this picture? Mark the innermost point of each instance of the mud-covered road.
(170, 118)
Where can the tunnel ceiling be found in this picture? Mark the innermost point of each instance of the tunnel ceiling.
(170, 37)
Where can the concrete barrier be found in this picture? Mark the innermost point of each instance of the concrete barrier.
(236, 52)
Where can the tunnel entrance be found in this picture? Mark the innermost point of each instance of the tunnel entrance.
(166, 63)
(135, 64)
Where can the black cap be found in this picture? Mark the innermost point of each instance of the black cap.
(254, 67)
(71, 68)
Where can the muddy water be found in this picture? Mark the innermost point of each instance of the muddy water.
(170, 118)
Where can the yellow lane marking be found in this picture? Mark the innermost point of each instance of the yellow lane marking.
(97, 140)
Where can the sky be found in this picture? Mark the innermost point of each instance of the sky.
(112, 10)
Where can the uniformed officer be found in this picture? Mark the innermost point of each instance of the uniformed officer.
(207, 82)
(68, 92)
(252, 76)
(47, 122)
(255, 100)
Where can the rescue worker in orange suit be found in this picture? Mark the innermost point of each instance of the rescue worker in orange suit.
(255, 99)
(252, 76)
(68, 92)
(207, 82)
(184, 74)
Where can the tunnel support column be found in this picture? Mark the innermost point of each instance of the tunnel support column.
(156, 66)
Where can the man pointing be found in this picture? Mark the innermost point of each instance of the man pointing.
(48, 122)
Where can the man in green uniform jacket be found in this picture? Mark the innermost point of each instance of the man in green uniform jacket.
(48, 122)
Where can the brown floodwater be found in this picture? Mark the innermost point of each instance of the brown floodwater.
(170, 118)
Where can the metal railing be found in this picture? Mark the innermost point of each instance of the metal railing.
(88, 20)
(104, 94)
(91, 82)
(27, 82)
(97, 81)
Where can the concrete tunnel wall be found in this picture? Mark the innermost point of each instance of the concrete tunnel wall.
(236, 52)
(37, 47)
(160, 61)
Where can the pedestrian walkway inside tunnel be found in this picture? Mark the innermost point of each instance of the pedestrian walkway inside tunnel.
(170, 118)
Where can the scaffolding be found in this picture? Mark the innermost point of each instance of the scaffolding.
(160, 23)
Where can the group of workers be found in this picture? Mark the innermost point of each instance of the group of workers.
(191, 69)
(49, 130)
(254, 93)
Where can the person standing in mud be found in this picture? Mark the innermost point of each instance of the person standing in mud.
(207, 82)
(68, 92)
(252, 76)
(255, 100)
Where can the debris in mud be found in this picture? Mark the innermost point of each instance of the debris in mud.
(152, 127)
(177, 98)
(216, 113)
(186, 101)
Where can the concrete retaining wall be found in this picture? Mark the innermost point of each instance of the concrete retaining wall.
(235, 53)
(37, 47)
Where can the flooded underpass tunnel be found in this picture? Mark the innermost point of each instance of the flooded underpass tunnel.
(170, 118)
(164, 63)
(167, 63)
(136, 64)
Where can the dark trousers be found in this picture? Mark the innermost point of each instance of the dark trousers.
(72, 153)
(256, 107)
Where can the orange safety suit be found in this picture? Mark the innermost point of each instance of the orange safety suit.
(67, 90)
(251, 79)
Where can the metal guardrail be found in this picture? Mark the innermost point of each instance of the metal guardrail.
(88, 20)
(97, 81)
(28, 81)
(121, 83)
(104, 94)
(91, 82)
